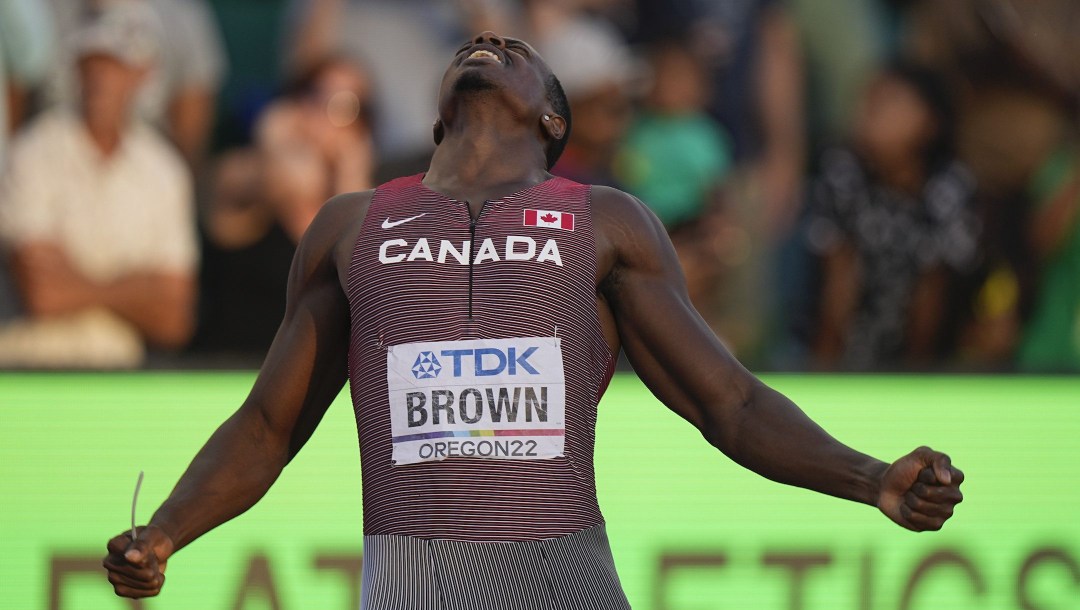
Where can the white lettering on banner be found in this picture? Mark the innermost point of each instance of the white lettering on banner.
(516, 248)
(485, 398)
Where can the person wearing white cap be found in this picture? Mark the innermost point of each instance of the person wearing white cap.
(179, 95)
(96, 210)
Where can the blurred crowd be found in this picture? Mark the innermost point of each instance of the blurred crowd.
(883, 185)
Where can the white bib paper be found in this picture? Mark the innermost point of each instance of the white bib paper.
(481, 398)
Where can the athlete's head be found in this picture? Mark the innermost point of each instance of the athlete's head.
(510, 71)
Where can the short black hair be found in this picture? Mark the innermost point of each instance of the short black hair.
(561, 106)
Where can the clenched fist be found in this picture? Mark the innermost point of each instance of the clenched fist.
(137, 568)
(920, 490)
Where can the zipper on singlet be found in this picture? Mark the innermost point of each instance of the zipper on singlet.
(472, 247)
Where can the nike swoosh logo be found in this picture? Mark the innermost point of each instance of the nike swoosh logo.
(386, 224)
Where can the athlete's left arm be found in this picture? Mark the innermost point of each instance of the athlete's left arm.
(686, 366)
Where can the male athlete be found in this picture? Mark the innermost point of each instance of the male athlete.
(477, 311)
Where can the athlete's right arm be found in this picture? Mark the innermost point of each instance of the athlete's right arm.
(686, 366)
(304, 371)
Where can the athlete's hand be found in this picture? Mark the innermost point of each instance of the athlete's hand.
(920, 490)
(137, 569)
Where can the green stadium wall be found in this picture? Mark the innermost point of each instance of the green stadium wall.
(690, 530)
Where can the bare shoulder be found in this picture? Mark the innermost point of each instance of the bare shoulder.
(334, 230)
(628, 234)
(615, 210)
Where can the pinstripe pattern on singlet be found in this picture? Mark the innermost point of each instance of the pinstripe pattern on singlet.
(473, 499)
(573, 572)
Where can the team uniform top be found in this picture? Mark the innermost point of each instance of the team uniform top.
(476, 363)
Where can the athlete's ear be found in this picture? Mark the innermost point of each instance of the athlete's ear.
(553, 125)
(437, 131)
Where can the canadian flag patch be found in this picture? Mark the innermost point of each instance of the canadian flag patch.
(549, 218)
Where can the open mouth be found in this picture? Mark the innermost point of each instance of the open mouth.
(484, 54)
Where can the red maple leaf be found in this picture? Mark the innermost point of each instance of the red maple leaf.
(549, 217)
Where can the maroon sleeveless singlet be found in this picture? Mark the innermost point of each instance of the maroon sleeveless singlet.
(461, 323)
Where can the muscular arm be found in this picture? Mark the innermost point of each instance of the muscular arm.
(688, 369)
(303, 372)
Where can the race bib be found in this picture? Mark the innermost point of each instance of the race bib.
(481, 398)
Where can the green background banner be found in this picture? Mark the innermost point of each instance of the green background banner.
(690, 530)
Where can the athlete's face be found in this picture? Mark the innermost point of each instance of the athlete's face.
(509, 67)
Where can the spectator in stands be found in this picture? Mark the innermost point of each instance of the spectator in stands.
(845, 42)
(753, 53)
(96, 210)
(313, 143)
(26, 45)
(891, 219)
(317, 141)
(405, 37)
(1007, 64)
(675, 157)
(1051, 340)
(754, 56)
(180, 94)
(597, 73)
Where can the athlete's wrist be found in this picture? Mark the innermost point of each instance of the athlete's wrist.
(871, 483)
(167, 533)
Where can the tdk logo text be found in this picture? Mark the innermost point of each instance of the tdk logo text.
(479, 362)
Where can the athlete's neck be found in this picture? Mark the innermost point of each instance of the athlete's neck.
(486, 154)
